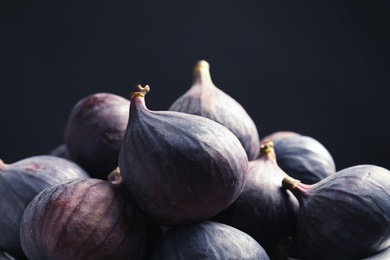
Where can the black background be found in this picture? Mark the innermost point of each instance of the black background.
(320, 68)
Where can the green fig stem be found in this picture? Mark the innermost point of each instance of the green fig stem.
(140, 91)
(201, 72)
(267, 149)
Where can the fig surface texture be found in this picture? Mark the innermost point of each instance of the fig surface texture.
(82, 219)
(206, 240)
(344, 216)
(94, 131)
(20, 182)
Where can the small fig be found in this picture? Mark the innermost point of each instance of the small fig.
(179, 168)
(344, 216)
(304, 158)
(206, 240)
(205, 99)
(264, 209)
(20, 182)
(82, 219)
(94, 131)
(279, 135)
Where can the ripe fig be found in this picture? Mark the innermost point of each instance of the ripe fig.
(344, 216)
(264, 209)
(84, 218)
(205, 99)
(304, 158)
(206, 240)
(94, 132)
(179, 168)
(20, 182)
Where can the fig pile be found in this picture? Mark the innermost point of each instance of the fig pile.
(193, 181)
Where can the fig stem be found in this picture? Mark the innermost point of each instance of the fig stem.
(140, 91)
(115, 177)
(290, 183)
(267, 149)
(201, 72)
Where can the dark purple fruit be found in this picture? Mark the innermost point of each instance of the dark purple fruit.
(94, 132)
(206, 240)
(304, 158)
(205, 99)
(179, 168)
(82, 219)
(264, 209)
(20, 182)
(344, 216)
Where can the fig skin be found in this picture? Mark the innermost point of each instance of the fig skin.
(179, 168)
(83, 219)
(207, 100)
(264, 209)
(344, 216)
(304, 158)
(20, 182)
(94, 131)
(206, 240)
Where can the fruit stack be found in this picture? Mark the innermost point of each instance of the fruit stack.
(190, 182)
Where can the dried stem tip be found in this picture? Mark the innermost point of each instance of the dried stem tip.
(140, 91)
(290, 183)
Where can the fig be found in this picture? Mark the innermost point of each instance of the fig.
(84, 218)
(264, 209)
(206, 240)
(304, 158)
(20, 182)
(344, 216)
(94, 131)
(179, 168)
(206, 99)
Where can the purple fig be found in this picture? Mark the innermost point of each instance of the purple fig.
(264, 209)
(206, 240)
(20, 182)
(94, 132)
(206, 99)
(344, 216)
(179, 168)
(83, 219)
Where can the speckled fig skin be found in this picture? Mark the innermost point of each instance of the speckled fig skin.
(20, 182)
(179, 168)
(344, 216)
(264, 209)
(94, 131)
(82, 219)
(206, 99)
(304, 158)
(206, 240)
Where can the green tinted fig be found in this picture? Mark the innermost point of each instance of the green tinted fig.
(344, 216)
(94, 131)
(84, 218)
(20, 182)
(205, 99)
(179, 168)
(206, 240)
